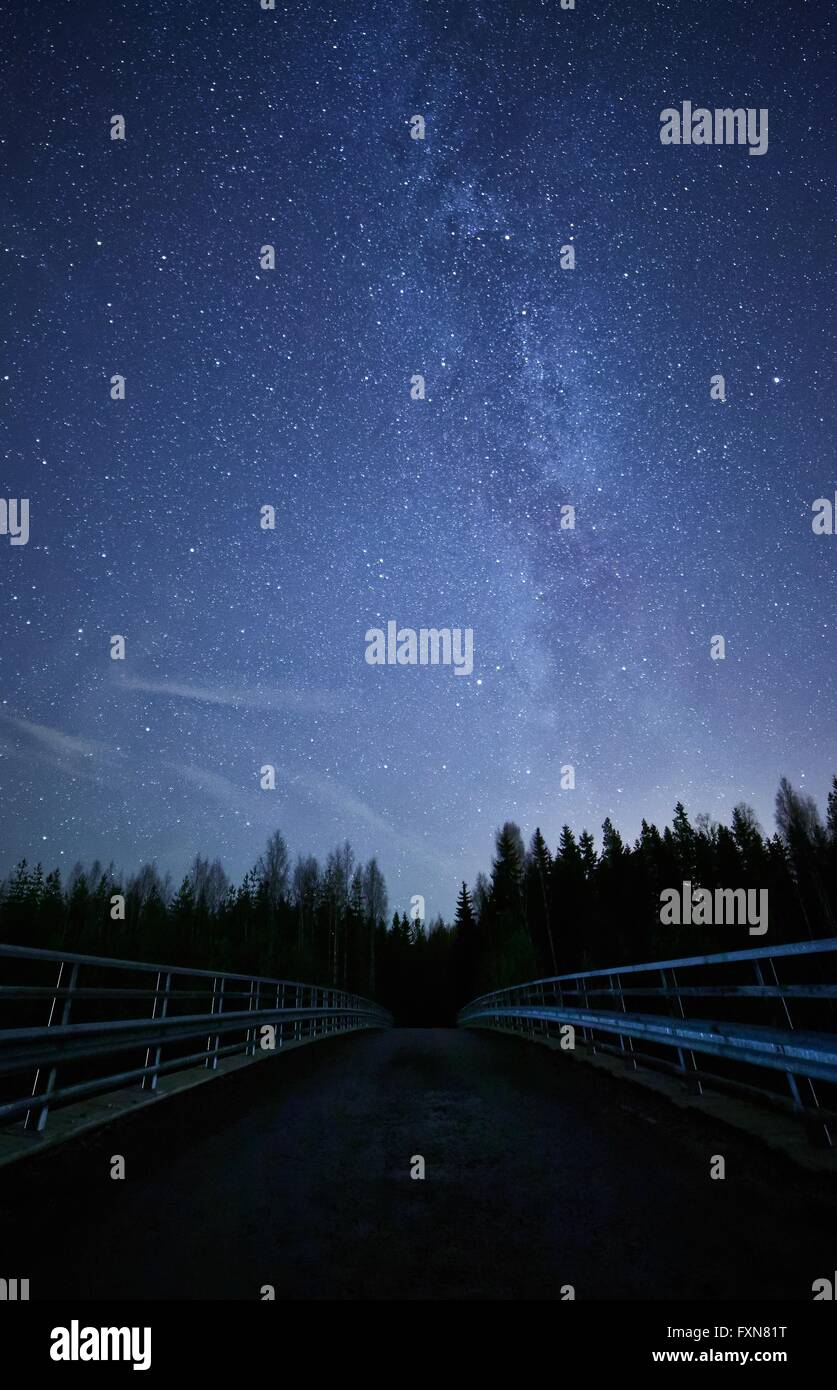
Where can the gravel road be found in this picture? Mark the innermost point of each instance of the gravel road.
(540, 1173)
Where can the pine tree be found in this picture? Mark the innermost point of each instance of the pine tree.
(464, 920)
(464, 949)
(507, 871)
(538, 905)
(612, 844)
(568, 851)
(589, 858)
(832, 812)
(684, 840)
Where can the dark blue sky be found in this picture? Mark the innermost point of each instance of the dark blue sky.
(544, 387)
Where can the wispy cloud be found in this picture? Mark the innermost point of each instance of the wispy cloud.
(45, 744)
(354, 812)
(269, 697)
(55, 740)
(352, 815)
(232, 797)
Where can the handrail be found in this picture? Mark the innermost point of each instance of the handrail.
(793, 948)
(292, 1011)
(535, 1007)
(141, 967)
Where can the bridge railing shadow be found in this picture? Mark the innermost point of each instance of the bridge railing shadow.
(754, 1032)
(76, 1026)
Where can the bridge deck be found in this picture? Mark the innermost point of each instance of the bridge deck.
(540, 1173)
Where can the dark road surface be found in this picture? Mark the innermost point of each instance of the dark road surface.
(540, 1172)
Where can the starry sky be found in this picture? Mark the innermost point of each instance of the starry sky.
(291, 387)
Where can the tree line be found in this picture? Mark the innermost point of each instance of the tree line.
(302, 921)
(536, 912)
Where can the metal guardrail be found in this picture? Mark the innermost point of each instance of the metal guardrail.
(807, 1055)
(180, 1008)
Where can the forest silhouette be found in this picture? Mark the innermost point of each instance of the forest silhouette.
(536, 912)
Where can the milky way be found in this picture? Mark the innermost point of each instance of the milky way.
(545, 387)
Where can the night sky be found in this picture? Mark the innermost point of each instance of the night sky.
(545, 388)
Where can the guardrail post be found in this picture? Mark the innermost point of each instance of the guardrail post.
(584, 1030)
(822, 1127)
(680, 1057)
(612, 992)
(216, 1007)
(630, 1046)
(43, 1110)
(150, 1083)
(693, 1083)
(250, 1040)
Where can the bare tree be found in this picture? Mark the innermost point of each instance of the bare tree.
(339, 868)
(273, 869)
(376, 906)
(799, 825)
(481, 896)
(305, 886)
(210, 884)
(374, 892)
(146, 884)
(797, 818)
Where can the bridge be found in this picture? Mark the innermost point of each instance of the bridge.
(178, 1134)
